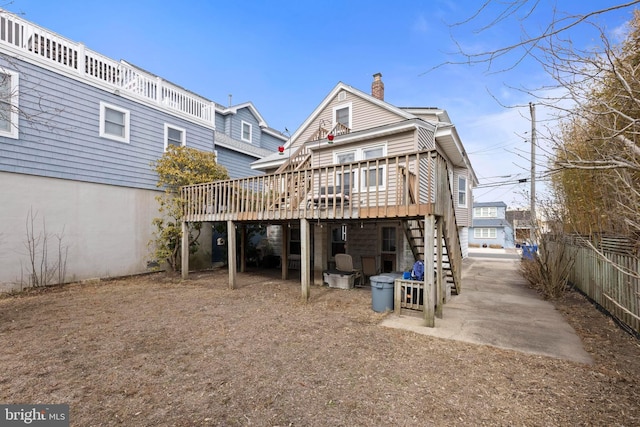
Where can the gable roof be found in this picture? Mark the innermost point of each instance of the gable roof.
(234, 110)
(445, 132)
(327, 99)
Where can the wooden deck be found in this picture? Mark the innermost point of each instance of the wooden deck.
(406, 186)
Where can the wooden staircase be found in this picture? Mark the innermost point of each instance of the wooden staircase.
(414, 231)
(296, 188)
(300, 159)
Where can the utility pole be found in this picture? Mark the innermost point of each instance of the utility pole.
(532, 109)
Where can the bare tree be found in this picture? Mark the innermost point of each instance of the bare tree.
(42, 109)
(530, 43)
(594, 139)
(41, 270)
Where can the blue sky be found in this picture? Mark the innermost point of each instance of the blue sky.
(286, 55)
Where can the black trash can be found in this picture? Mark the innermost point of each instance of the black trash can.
(382, 293)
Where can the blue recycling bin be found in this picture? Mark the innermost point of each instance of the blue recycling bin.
(529, 251)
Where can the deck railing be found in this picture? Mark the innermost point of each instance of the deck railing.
(385, 187)
(63, 54)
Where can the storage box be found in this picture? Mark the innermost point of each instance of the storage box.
(339, 280)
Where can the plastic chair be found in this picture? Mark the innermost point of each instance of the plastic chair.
(344, 263)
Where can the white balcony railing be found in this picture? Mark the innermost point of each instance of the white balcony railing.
(47, 47)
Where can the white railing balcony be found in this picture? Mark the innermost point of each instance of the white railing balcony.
(17, 34)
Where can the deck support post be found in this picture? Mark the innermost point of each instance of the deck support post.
(440, 283)
(284, 253)
(243, 248)
(320, 253)
(184, 254)
(231, 253)
(429, 271)
(305, 259)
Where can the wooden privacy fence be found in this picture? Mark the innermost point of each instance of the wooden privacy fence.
(613, 282)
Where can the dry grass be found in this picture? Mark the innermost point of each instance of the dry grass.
(156, 351)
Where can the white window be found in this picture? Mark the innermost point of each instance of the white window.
(370, 177)
(342, 115)
(9, 104)
(373, 177)
(373, 152)
(484, 233)
(345, 157)
(348, 180)
(114, 122)
(174, 135)
(246, 132)
(462, 191)
(485, 212)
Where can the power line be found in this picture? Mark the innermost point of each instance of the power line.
(539, 178)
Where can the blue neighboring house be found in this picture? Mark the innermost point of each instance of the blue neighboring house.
(490, 226)
(78, 135)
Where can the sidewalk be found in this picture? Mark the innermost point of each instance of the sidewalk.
(497, 308)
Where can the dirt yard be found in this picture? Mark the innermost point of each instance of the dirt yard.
(156, 351)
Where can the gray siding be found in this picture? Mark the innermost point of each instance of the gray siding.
(63, 139)
(237, 164)
(270, 142)
(463, 214)
(220, 122)
(245, 114)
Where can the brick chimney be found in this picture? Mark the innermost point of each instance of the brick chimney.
(377, 87)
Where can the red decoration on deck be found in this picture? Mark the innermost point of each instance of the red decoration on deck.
(281, 150)
(330, 137)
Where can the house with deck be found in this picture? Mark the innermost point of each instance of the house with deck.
(78, 135)
(360, 177)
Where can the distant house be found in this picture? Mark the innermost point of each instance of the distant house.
(520, 221)
(490, 226)
(78, 134)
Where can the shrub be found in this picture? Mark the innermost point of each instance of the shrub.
(548, 270)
